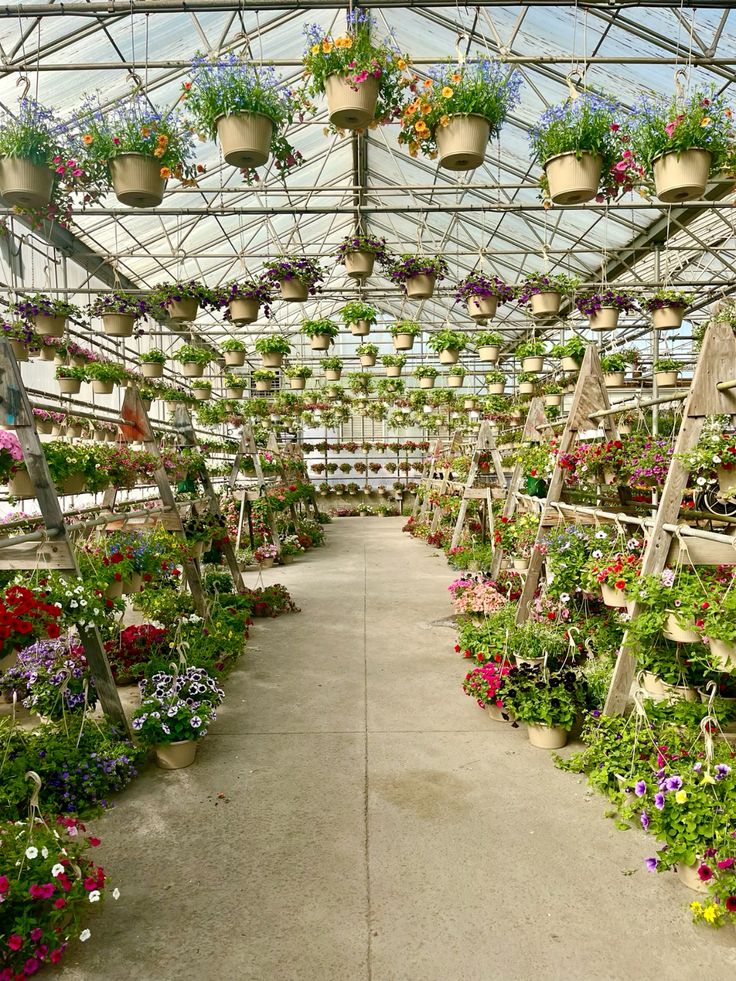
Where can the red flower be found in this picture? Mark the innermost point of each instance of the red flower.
(60, 903)
(94, 842)
(731, 904)
(620, 584)
(705, 873)
(15, 941)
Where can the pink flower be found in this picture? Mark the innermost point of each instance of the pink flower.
(670, 128)
(15, 941)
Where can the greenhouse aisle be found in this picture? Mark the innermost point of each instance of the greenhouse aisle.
(352, 816)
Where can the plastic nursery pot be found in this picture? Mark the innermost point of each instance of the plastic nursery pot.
(44, 427)
(263, 386)
(118, 324)
(333, 374)
(202, 394)
(520, 563)
(426, 382)
(49, 326)
(614, 598)
(532, 364)
(614, 379)
(450, 355)
(688, 876)
(569, 364)
(297, 384)
(320, 342)
(393, 370)
(681, 177)
(553, 399)
(294, 291)
(403, 342)
(19, 350)
(102, 387)
(137, 180)
(20, 485)
(152, 369)
(420, 287)
(24, 184)
(546, 304)
(348, 107)
(244, 311)
(367, 360)
(234, 392)
(668, 318)
(175, 756)
(192, 369)
(266, 563)
(496, 713)
(69, 386)
(488, 352)
(360, 328)
(234, 359)
(546, 737)
(666, 379)
(462, 143)
(526, 388)
(454, 381)
(726, 481)
(359, 265)
(184, 310)
(74, 484)
(604, 319)
(272, 359)
(673, 631)
(245, 138)
(572, 179)
(496, 388)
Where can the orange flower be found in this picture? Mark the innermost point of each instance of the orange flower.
(402, 64)
(165, 172)
(444, 120)
(428, 83)
(456, 77)
(728, 113)
(159, 151)
(145, 131)
(426, 108)
(162, 139)
(87, 139)
(326, 46)
(421, 127)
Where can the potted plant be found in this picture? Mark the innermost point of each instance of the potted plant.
(367, 354)
(242, 300)
(570, 353)
(548, 701)
(20, 336)
(714, 456)
(272, 350)
(531, 355)
(417, 275)
(362, 79)
(152, 363)
(264, 379)
(543, 294)
(667, 308)
(613, 367)
(448, 344)
(495, 382)
(482, 295)
(456, 375)
(666, 371)
(393, 363)
(119, 312)
(459, 111)
(298, 277)
(359, 317)
(577, 143)
(526, 383)
(553, 393)
(358, 253)
(426, 373)
(681, 141)
(298, 375)
(202, 389)
(604, 307)
(174, 714)
(403, 333)
(104, 376)
(234, 386)
(32, 142)
(332, 368)
(70, 379)
(179, 302)
(46, 315)
(135, 149)
(193, 359)
(234, 352)
(488, 344)
(247, 108)
(321, 333)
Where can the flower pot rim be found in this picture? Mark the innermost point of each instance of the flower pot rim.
(243, 112)
(571, 153)
(679, 153)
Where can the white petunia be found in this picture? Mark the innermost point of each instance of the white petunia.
(94, 896)
(31, 851)
(85, 935)
(57, 870)
(45, 852)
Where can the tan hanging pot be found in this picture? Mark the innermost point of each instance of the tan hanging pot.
(244, 310)
(183, 310)
(488, 352)
(235, 359)
(462, 143)
(572, 179)
(152, 369)
(245, 138)
(297, 384)
(102, 387)
(546, 304)
(235, 392)
(604, 319)
(351, 108)
(360, 328)
(450, 355)
(320, 342)
(420, 287)
(137, 180)
(681, 177)
(272, 359)
(294, 291)
(118, 324)
(426, 382)
(49, 326)
(24, 184)
(668, 318)
(482, 307)
(359, 265)
(403, 342)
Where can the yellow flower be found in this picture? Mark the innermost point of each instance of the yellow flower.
(413, 149)
(421, 126)
(315, 49)
(348, 42)
(708, 779)
(681, 796)
(710, 914)
(402, 64)
(696, 907)
(326, 46)
(165, 172)
(447, 92)
(705, 121)
(444, 120)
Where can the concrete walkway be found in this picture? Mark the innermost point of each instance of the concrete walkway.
(374, 825)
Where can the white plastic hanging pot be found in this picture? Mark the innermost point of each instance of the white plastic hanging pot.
(426, 382)
(526, 388)
(320, 342)
(726, 481)
(572, 179)
(294, 291)
(69, 386)
(24, 184)
(263, 385)
(462, 143)
(245, 138)
(360, 328)
(681, 177)
(234, 392)
(102, 387)
(682, 635)
(403, 342)
(455, 381)
(420, 287)
(724, 654)
(488, 352)
(244, 310)
(546, 304)
(532, 364)
(666, 379)
(235, 359)
(297, 384)
(192, 369)
(393, 370)
(333, 374)
(569, 364)
(152, 369)
(482, 307)
(604, 319)
(137, 180)
(668, 318)
(450, 355)
(118, 324)
(351, 107)
(359, 265)
(554, 398)
(496, 388)
(367, 360)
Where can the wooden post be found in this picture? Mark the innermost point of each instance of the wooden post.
(16, 412)
(420, 508)
(716, 363)
(485, 443)
(590, 396)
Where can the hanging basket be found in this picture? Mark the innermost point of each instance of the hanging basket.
(21, 485)
(482, 307)
(454, 381)
(420, 287)
(152, 369)
(184, 310)
(333, 374)
(545, 305)
(263, 386)
(688, 876)
(572, 179)
(294, 291)
(234, 359)
(393, 370)
(19, 350)
(614, 598)
(526, 388)
(361, 328)
(192, 369)
(244, 310)
(69, 386)
(297, 384)
(488, 352)
(234, 392)
(666, 379)
(462, 143)
(74, 484)
(102, 387)
(201, 394)
(681, 635)
(724, 654)
(553, 399)
(668, 318)
(137, 180)
(403, 342)
(24, 184)
(118, 324)
(272, 359)
(532, 365)
(44, 427)
(569, 364)
(450, 355)
(604, 319)
(681, 177)
(614, 379)
(546, 737)
(426, 382)
(496, 388)
(367, 360)
(46, 353)
(348, 107)
(49, 326)
(320, 342)
(359, 265)
(245, 139)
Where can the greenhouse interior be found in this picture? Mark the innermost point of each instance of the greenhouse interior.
(349, 346)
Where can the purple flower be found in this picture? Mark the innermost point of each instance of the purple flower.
(722, 770)
(673, 783)
(644, 820)
(651, 864)
(640, 788)
(659, 801)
